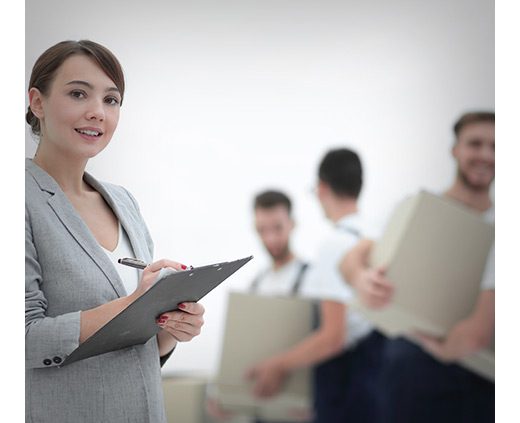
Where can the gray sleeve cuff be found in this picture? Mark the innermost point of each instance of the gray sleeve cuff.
(50, 340)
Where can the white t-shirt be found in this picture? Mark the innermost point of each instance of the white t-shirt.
(278, 281)
(129, 275)
(324, 281)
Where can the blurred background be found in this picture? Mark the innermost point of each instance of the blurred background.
(227, 98)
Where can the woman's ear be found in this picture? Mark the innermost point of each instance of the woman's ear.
(35, 102)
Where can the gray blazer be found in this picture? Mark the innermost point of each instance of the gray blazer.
(66, 271)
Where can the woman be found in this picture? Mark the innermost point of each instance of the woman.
(75, 229)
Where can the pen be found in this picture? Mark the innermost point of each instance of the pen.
(132, 262)
(138, 264)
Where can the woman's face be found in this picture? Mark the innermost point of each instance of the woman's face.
(79, 114)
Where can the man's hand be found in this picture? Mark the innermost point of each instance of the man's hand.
(215, 411)
(460, 342)
(269, 377)
(467, 336)
(373, 288)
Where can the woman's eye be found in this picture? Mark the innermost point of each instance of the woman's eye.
(77, 94)
(112, 101)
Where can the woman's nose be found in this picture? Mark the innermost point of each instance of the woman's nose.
(96, 111)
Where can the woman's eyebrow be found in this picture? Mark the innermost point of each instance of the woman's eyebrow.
(89, 85)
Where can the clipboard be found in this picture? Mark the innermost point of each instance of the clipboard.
(136, 324)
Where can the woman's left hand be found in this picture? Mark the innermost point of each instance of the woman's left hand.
(183, 324)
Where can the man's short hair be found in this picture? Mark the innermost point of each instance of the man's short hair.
(341, 169)
(271, 198)
(472, 117)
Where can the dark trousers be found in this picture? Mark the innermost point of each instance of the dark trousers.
(346, 387)
(418, 388)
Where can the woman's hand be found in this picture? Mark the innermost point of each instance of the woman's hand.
(183, 324)
(178, 325)
(95, 318)
(150, 274)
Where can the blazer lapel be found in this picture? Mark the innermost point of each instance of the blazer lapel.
(70, 218)
(126, 218)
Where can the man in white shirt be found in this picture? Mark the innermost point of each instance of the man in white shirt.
(344, 349)
(423, 385)
(274, 225)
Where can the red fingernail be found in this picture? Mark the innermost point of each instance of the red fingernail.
(182, 306)
(184, 267)
(162, 319)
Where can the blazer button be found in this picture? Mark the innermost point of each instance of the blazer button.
(47, 362)
(57, 360)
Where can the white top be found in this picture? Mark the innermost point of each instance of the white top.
(278, 281)
(324, 281)
(488, 277)
(129, 275)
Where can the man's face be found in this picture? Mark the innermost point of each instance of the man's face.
(274, 226)
(475, 155)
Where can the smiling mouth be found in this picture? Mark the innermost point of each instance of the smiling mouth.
(89, 132)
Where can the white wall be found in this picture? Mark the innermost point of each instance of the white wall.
(227, 98)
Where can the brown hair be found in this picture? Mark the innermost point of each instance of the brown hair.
(472, 117)
(45, 68)
(271, 198)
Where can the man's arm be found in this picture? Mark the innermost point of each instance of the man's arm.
(355, 262)
(325, 342)
(468, 335)
(371, 285)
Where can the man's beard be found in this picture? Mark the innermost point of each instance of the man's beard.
(472, 186)
(280, 256)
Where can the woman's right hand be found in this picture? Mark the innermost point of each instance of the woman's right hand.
(150, 274)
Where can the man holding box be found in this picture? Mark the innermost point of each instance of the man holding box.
(421, 384)
(344, 349)
(274, 225)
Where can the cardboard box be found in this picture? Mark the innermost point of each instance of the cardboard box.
(258, 327)
(184, 398)
(436, 251)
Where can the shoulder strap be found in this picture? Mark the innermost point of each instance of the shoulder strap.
(352, 231)
(256, 281)
(299, 278)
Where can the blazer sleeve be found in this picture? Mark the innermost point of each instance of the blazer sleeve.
(48, 340)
